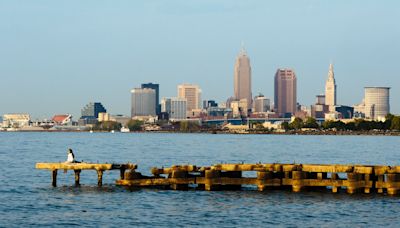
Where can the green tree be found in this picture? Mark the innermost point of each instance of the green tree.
(395, 123)
(285, 126)
(189, 126)
(296, 124)
(259, 126)
(388, 122)
(107, 126)
(311, 123)
(135, 125)
(184, 126)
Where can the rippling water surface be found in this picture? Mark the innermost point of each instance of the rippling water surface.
(27, 199)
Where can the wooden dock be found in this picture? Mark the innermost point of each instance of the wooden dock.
(297, 177)
(78, 167)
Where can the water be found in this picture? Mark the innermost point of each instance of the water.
(27, 199)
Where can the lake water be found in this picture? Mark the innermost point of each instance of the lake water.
(27, 198)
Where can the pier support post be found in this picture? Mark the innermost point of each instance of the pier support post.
(392, 179)
(210, 175)
(380, 183)
(54, 178)
(122, 173)
(77, 177)
(99, 177)
(352, 179)
(262, 178)
(179, 174)
(367, 178)
(321, 176)
(334, 177)
(297, 181)
(232, 174)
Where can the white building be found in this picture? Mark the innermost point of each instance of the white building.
(192, 94)
(143, 102)
(239, 108)
(17, 120)
(330, 90)
(261, 104)
(175, 107)
(377, 103)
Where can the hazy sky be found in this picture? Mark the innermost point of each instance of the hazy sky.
(56, 56)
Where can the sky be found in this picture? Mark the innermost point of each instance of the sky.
(57, 56)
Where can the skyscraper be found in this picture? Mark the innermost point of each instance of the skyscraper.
(156, 87)
(330, 89)
(192, 93)
(242, 78)
(285, 92)
(143, 102)
(377, 103)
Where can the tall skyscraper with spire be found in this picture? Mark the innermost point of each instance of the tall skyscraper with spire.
(330, 89)
(242, 78)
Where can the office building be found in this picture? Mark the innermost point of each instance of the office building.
(242, 78)
(239, 108)
(156, 87)
(143, 102)
(261, 104)
(192, 94)
(345, 112)
(377, 103)
(285, 92)
(175, 107)
(319, 109)
(209, 103)
(92, 110)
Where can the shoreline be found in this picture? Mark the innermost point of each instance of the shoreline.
(328, 133)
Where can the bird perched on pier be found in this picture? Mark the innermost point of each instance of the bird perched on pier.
(71, 156)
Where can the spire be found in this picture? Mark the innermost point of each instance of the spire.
(242, 49)
(331, 75)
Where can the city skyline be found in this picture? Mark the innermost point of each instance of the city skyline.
(57, 66)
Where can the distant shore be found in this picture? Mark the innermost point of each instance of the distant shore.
(292, 132)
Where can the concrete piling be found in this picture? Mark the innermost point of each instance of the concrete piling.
(54, 177)
(99, 177)
(77, 177)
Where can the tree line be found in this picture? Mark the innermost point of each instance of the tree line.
(392, 122)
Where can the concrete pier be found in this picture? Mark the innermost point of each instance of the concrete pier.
(78, 167)
(298, 177)
(352, 179)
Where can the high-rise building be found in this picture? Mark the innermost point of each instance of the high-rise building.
(261, 104)
(156, 87)
(285, 92)
(242, 78)
(192, 93)
(143, 102)
(174, 106)
(330, 89)
(377, 103)
(92, 110)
